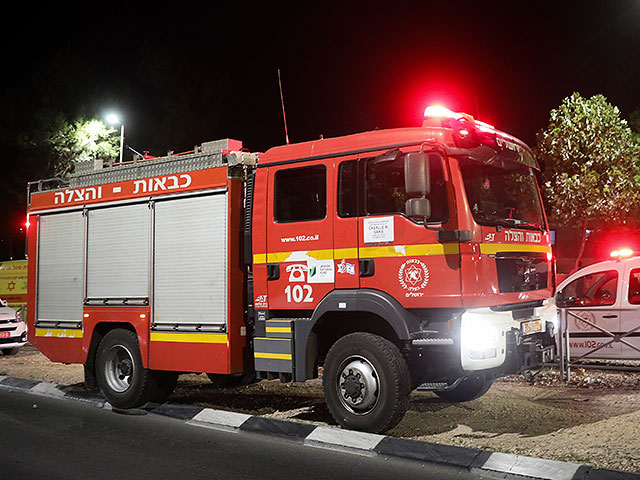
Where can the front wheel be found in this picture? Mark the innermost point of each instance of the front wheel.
(472, 387)
(11, 351)
(122, 378)
(366, 383)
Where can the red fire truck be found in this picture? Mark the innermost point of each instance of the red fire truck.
(393, 259)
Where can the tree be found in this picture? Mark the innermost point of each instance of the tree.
(59, 144)
(592, 170)
(80, 141)
(634, 123)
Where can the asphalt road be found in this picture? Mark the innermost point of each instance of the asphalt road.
(49, 438)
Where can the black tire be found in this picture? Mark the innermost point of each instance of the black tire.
(366, 383)
(10, 351)
(472, 387)
(122, 379)
(231, 381)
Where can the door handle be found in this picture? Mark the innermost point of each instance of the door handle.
(273, 271)
(367, 267)
(610, 316)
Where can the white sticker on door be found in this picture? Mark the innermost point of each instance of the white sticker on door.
(320, 271)
(378, 230)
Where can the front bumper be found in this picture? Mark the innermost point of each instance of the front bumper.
(17, 335)
(491, 339)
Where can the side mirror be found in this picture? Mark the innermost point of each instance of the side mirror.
(418, 207)
(417, 178)
(565, 302)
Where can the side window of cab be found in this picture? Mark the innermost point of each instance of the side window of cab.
(300, 194)
(591, 290)
(388, 188)
(634, 286)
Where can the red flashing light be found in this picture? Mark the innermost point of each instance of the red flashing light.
(549, 256)
(621, 253)
(27, 223)
(440, 111)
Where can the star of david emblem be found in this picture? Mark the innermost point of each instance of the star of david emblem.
(413, 275)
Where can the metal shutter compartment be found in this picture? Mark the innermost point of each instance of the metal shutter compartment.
(190, 263)
(60, 269)
(118, 244)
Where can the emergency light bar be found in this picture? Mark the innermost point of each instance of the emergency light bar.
(467, 132)
(621, 253)
(440, 111)
(470, 133)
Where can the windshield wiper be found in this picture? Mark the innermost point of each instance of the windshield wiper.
(514, 222)
(508, 222)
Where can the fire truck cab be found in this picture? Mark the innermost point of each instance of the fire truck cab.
(391, 259)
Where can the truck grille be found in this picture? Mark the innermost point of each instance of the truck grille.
(522, 272)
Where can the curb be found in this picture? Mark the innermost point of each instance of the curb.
(500, 465)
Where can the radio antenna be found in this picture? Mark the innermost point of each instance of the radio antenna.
(284, 116)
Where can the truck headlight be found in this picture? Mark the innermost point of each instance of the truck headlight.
(479, 338)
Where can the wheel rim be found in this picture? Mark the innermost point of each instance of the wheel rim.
(119, 368)
(358, 386)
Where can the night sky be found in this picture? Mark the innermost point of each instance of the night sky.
(198, 71)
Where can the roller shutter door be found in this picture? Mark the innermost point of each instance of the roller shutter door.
(60, 268)
(118, 253)
(190, 262)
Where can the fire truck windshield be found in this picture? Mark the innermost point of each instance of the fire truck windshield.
(504, 195)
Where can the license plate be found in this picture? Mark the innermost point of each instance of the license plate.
(532, 326)
(5, 334)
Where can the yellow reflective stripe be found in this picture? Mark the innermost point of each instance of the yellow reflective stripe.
(58, 332)
(273, 356)
(399, 251)
(385, 251)
(410, 250)
(279, 257)
(493, 248)
(278, 329)
(183, 337)
(345, 253)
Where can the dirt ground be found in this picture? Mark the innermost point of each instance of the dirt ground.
(594, 420)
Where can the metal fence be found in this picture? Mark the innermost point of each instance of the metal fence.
(584, 360)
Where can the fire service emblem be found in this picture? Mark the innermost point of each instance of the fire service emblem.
(413, 275)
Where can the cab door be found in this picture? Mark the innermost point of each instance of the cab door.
(345, 242)
(300, 266)
(397, 254)
(592, 307)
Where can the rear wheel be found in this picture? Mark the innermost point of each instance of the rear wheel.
(366, 383)
(121, 377)
(472, 387)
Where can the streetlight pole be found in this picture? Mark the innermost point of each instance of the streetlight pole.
(121, 140)
(113, 120)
